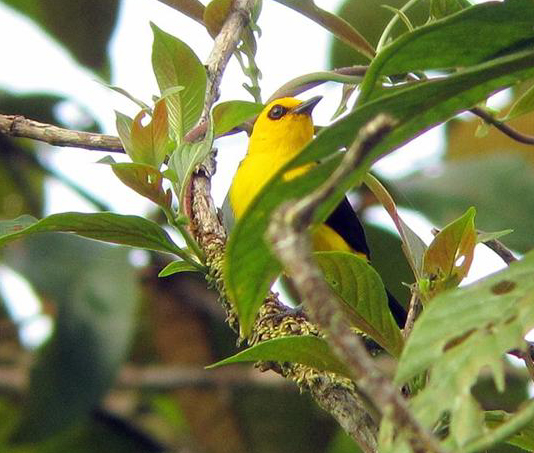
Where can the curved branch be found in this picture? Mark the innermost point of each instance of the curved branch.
(504, 128)
(18, 126)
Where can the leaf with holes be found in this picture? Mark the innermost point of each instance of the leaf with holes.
(461, 333)
(363, 297)
(150, 143)
(448, 258)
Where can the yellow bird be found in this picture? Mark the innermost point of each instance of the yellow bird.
(280, 132)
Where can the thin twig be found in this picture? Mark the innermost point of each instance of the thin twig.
(414, 310)
(503, 127)
(18, 126)
(500, 249)
(291, 243)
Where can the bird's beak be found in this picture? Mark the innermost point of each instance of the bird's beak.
(307, 106)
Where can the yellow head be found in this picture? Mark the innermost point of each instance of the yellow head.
(282, 129)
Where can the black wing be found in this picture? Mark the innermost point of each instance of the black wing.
(345, 222)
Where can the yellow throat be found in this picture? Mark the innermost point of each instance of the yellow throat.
(282, 129)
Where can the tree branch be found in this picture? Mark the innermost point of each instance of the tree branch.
(291, 243)
(336, 395)
(18, 126)
(504, 128)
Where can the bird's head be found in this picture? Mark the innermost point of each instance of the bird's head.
(284, 122)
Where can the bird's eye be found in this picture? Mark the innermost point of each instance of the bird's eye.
(277, 112)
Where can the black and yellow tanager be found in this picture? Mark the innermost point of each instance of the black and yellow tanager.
(280, 132)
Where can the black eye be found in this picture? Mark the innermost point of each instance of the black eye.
(277, 112)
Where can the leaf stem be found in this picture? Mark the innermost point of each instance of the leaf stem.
(387, 30)
(191, 243)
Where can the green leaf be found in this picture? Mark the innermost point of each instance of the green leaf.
(523, 438)
(413, 246)
(124, 125)
(103, 226)
(304, 349)
(228, 115)
(131, 97)
(96, 318)
(177, 266)
(491, 236)
(215, 14)
(150, 142)
(191, 8)
(450, 43)
(145, 180)
(522, 106)
(250, 267)
(465, 331)
(83, 27)
(334, 24)
(448, 258)
(363, 297)
(186, 158)
(443, 8)
(175, 64)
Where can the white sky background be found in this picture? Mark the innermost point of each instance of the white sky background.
(47, 67)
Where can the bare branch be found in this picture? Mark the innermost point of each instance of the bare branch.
(500, 249)
(18, 126)
(288, 233)
(504, 128)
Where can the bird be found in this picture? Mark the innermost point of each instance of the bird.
(282, 129)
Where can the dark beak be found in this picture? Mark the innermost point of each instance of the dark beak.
(307, 106)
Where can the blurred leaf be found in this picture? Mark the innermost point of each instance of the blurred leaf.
(389, 261)
(523, 439)
(523, 105)
(443, 8)
(413, 246)
(370, 18)
(215, 14)
(486, 237)
(150, 142)
(304, 349)
(84, 27)
(124, 125)
(343, 443)
(461, 333)
(103, 226)
(250, 267)
(334, 24)
(175, 64)
(347, 92)
(94, 326)
(175, 267)
(363, 297)
(502, 27)
(185, 159)
(191, 8)
(449, 256)
(450, 192)
(228, 115)
(131, 97)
